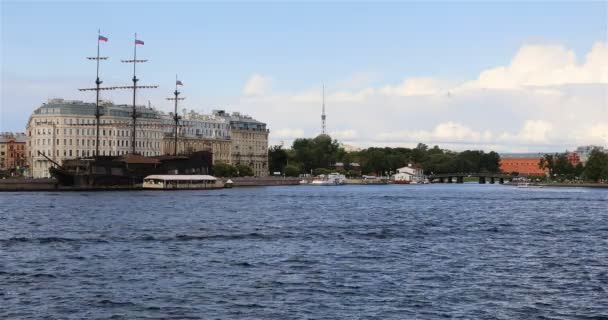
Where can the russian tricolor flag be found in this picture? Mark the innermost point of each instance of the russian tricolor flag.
(178, 83)
(102, 38)
(139, 42)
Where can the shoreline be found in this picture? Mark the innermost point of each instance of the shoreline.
(51, 185)
(571, 185)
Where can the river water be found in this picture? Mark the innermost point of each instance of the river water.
(303, 252)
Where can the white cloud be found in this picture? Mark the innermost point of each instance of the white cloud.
(257, 85)
(442, 133)
(546, 65)
(414, 87)
(288, 133)
(346, 135)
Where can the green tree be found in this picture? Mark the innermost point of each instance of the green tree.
(547, 162)
(244, 170)
(319, 152)
(490, 162)
(563, 168)
(579, 170)
(319, 171)
(221, 169)
(277, 159)
(596, 168)
(292, 170)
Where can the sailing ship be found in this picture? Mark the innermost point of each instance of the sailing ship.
(132, 168)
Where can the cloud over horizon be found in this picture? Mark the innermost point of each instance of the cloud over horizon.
(545, 99)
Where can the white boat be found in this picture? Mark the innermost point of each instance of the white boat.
(181, 182)
(523, 185)
(332, 179)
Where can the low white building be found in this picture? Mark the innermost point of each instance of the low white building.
(409, 174)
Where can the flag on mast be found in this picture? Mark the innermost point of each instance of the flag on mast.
(178, 83)
(139, 42)
(102, 38)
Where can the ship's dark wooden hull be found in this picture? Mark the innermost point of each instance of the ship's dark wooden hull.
(127, 171)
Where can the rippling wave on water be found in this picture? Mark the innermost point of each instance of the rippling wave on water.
(353, 252)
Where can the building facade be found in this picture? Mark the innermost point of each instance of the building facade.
(12, 153)
(409, 174)
(220, 148)
(64, 129)
(522, 165)
(249, 141)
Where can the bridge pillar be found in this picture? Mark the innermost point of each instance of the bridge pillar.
(501, 180)
(442, 180)
(449, 179)
(459, 179)
(482, 180)
(492, 180)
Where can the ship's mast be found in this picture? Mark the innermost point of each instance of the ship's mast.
(97, 88)
(323, 113)
(176, 117)
(134, 113)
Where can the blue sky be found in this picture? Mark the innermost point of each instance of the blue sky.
(217, 47)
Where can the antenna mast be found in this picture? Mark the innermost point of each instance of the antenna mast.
(176, 117)
(323, 113)
(134, 114)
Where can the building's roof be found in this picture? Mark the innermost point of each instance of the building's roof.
(77, 107)
(528, 155)
(181, 177)
(410, 167)
(8, 136)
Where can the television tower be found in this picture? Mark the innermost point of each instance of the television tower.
(323, 113)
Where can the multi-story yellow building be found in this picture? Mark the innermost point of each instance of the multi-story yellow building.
(63, 129)
(249, 141)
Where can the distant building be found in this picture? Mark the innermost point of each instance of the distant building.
(350, 166)
(198, 132)
(197, 125)
(12, 152)
(65, 129)
(584, 152)
(573, 158)
(409, 174)
(249, 141)
(524, 165)
(220, 148)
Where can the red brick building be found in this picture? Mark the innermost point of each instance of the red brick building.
(573, 158)
(523, 166)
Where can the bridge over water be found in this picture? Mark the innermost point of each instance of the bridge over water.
(459, 177)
